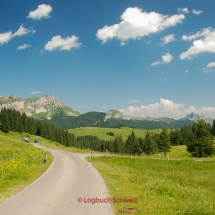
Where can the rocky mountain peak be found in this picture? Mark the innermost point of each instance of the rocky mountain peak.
(195, 117)
(37, 107)
(9, 99)
(43, 100)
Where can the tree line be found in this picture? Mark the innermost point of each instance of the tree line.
(12, 120)
(198, 138)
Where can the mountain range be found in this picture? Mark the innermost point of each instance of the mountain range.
(51, 109)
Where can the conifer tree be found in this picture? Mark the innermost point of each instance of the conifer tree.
(133, 145)
(10, 118)
(24, 122)
(5, 125)
(149, 145)
(186, 135)
(202, 146)
(164, 141)
(118, 145)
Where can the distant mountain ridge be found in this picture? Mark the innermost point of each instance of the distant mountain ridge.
(42, 107)
(196, 117)
(51, 109)
(113, 118)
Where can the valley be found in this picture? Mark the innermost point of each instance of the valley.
(163, 169)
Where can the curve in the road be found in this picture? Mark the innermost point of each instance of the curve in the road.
(68, 187)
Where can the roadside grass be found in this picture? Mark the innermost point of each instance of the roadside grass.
(161, 186)
(20, 163)
(101, 133)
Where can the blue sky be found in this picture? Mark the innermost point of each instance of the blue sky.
(145, 58)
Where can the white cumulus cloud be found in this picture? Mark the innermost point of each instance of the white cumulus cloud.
(212, 64)
(167, 58)
(42, 11)
(5, 37)
(60, 43)
(166, 108)
(136, 24)
(183, 10)
(197, 12)
(167, 39)
(204, 41)
(24, 46)
(23, 31)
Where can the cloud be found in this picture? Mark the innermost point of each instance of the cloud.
(186, 71)
(133, 101)
(166, 108)
(24, 46)
(42, 11)
(167, 39)
(203, 33)
(212, 64)
(208, 68)
(60, 43)
(23, 31)
(206, 43)
(136, 24)
(197, 12)
(167, 58)
(208, 110)
(156, 63)
(7, 36)
(35, 92)
(183, 10)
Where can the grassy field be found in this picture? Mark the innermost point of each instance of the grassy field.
(184, 186)
(20, 163)
(101, 132)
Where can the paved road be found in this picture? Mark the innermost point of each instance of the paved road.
(57, 191)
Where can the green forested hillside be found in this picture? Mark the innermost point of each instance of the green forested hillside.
(98, 119)
(198, 138)
(87, 119)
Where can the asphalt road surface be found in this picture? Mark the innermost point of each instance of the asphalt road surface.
(68, 187)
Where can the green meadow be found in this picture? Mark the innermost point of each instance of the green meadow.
(177, 184)
(101, 133)
(161, 186)
(20, 163)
